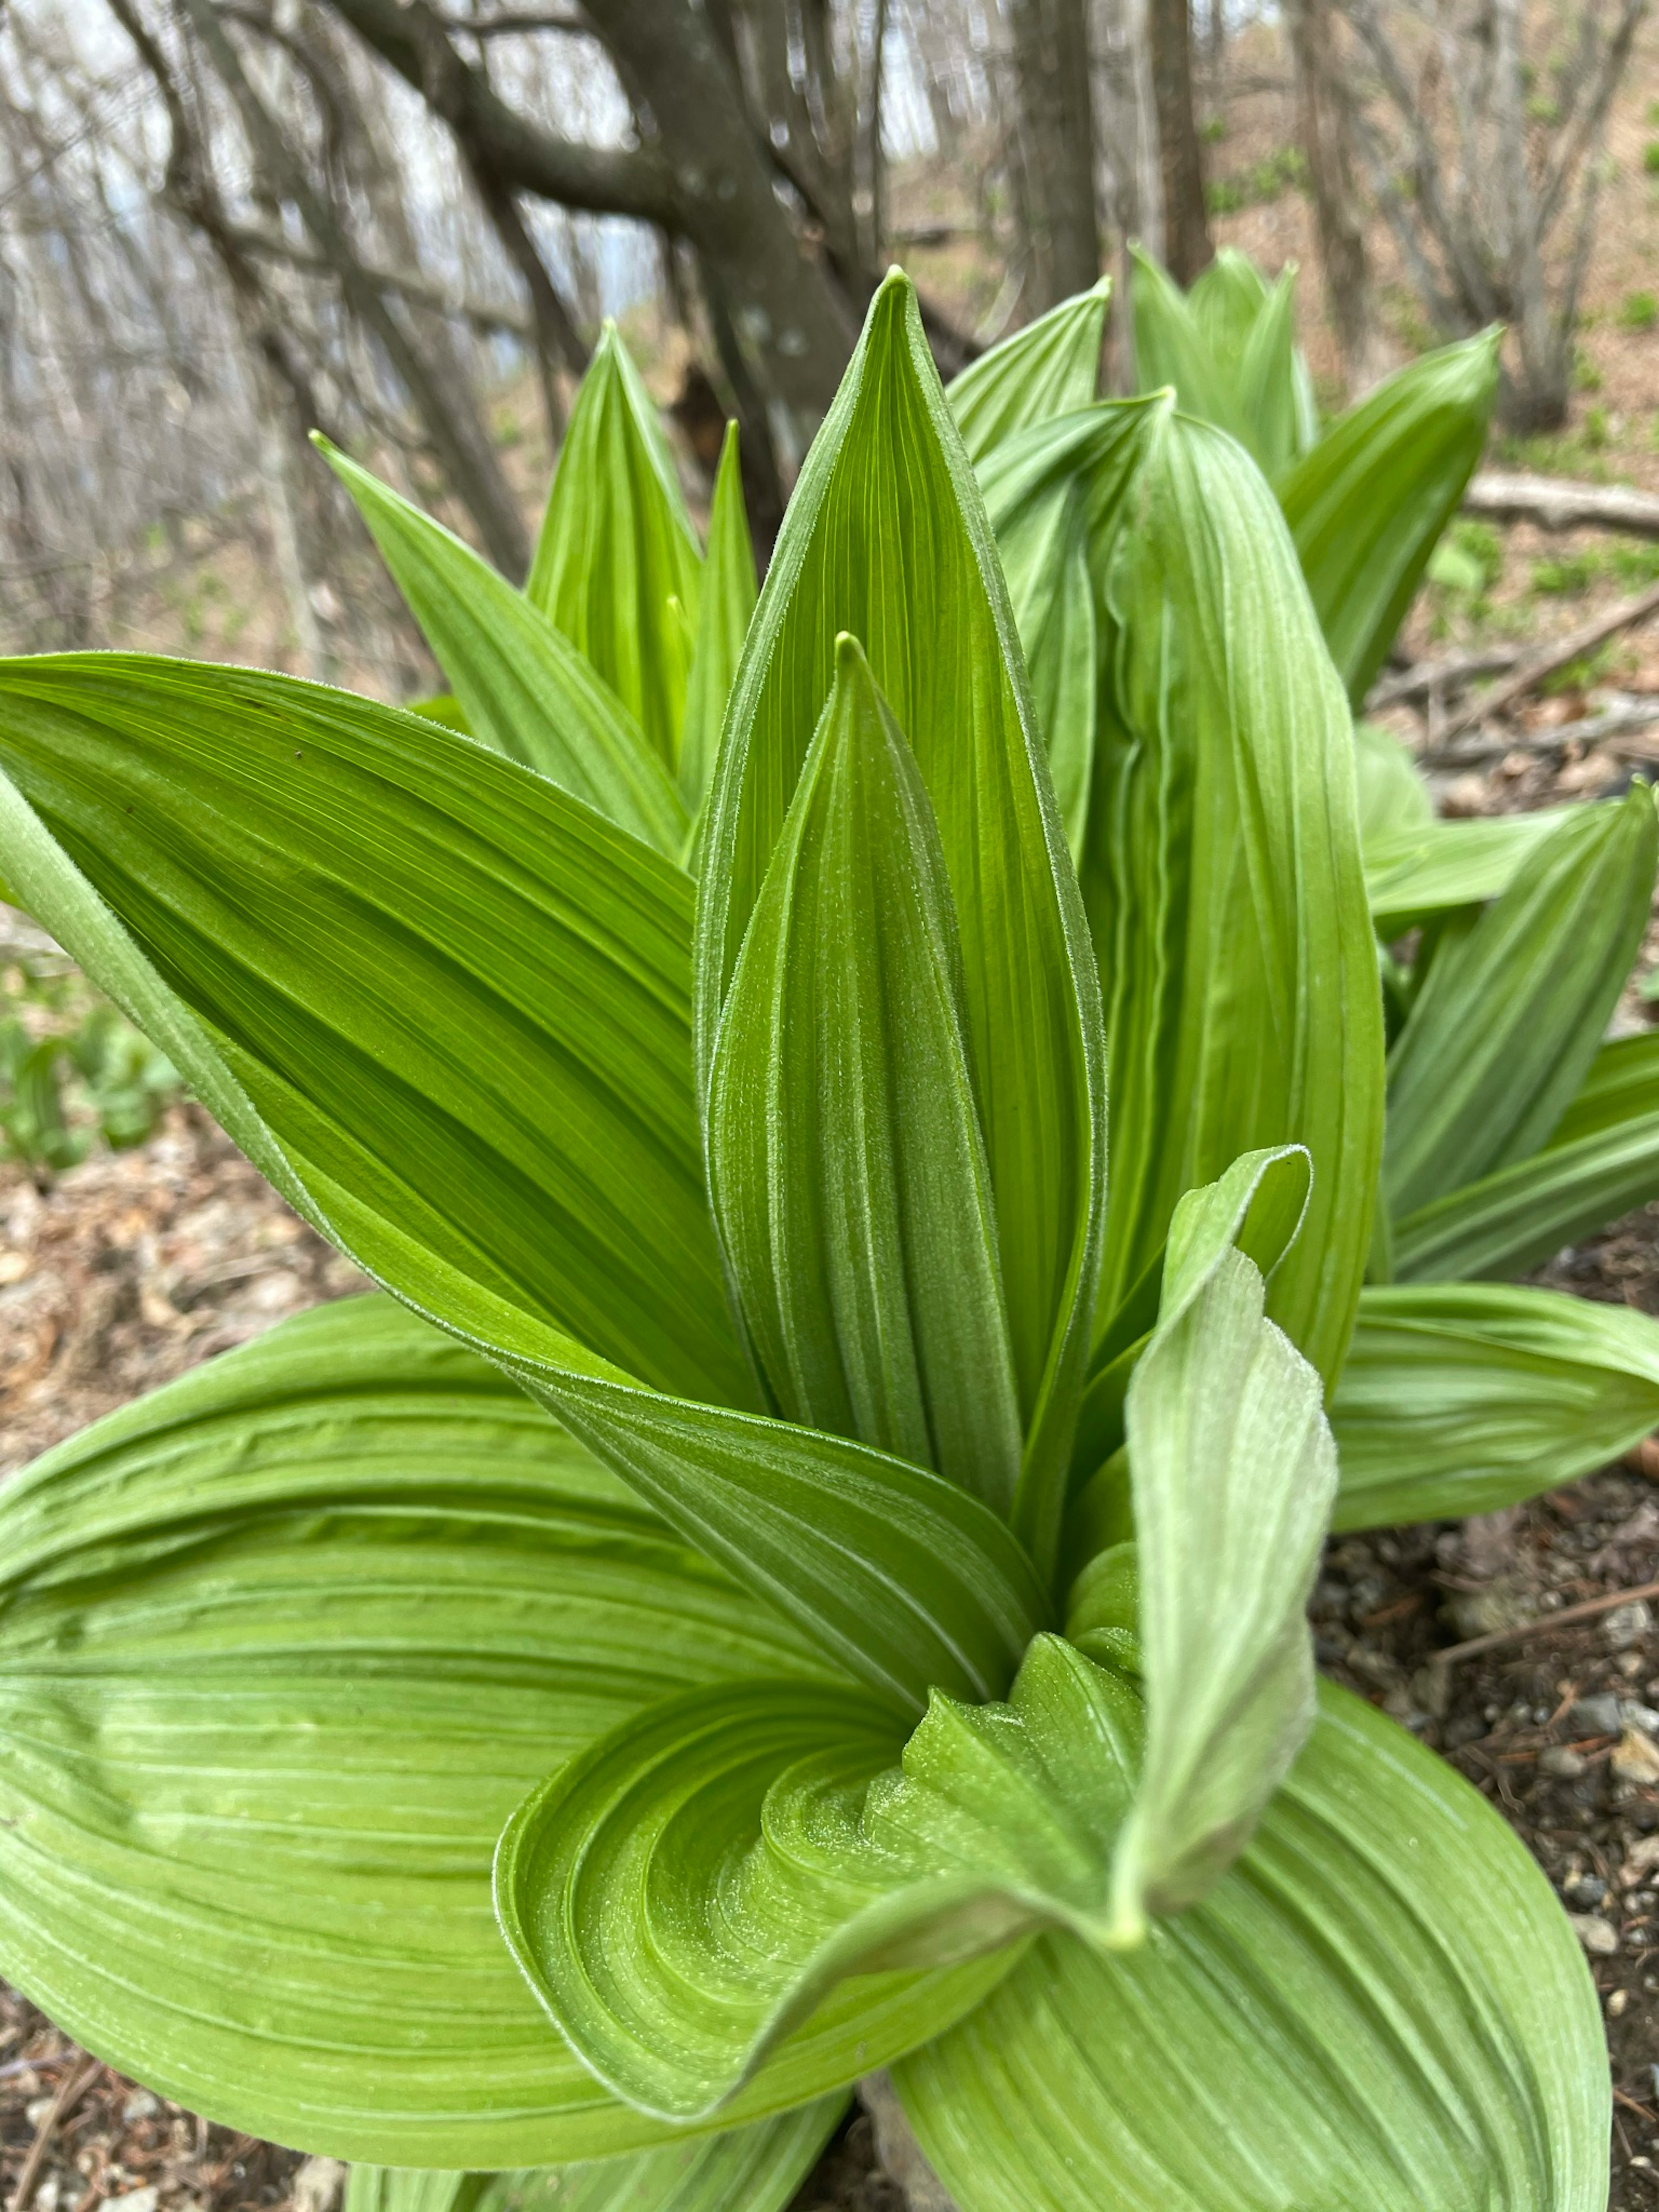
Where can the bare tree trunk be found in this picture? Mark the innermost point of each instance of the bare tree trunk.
(285, 540)
(1187, 250)
(1051, 51)
(1338, 213)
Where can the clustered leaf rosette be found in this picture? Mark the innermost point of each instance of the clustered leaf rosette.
(839, 1560)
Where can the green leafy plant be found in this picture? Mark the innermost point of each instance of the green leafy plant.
(1638, 311)
(73, 1074)
(838, 1556)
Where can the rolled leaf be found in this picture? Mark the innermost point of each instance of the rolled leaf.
(1459, 1398)
(1366, 506)
(686, 1891)
(617, 565)
(522, 686)
(442, 1007)
(281, 1647)
(1232, 1472)
(1416, 872)
(845, 1161)
(1507, 1021)
(1222, 874)
(1173, 350)
(1227, 298)
(1049, 367)
(1602, 1160)
(886, 538)
(1269, 392)
(1382, 2005)
(758, 2168)
(723, 613)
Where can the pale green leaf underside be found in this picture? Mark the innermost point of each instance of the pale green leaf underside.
(1460, 1397)
(1049, 367)
(1173, 350)
(753, 2169)
(689, 1889)
(845, 1161)
(1381, 2008)
(1232, 1472)
(1507, 1021)
(442, 1007)
(886, 539)
(617, 565)
(1602, 1160)
(523, 686)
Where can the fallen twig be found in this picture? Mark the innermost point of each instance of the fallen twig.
(1553, 504)
(1608, 1602)
(67, 2095)
(1613, 722)
(1450, 673)
(1548, 658)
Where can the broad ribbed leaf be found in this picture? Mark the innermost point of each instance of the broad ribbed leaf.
(523, 687)
(617, 549)
(1381, 2008)
(1269, 393)
(1602, 1160)
(1049, 367)
(1173, 350)
(1507, 1021)
(1222, 879)
(1232, 1472)
(1366, 506)
(886, 538)
(846, 1162)
(1415, 872)
(442, 1007)
(1459, 1398)
(1393, 799)
(1226, 298)
(728, 602)
(753, 2169)
(685, 1892)
(1055, 495)
(281, 1647)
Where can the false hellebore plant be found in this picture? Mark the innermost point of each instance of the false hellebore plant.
(891, 1652)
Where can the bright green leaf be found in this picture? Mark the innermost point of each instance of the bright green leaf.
(886, 538)
(1460, 1397)
(523, 687)
(1393, 799)
(1507, 1021)
(1222, 879)
(723, 615)
(1381, 2008)
(846, 1162)
(1416, 872)
(1366, 506)
(1173, 350)
(1602, 1160)
(1049, 367)
(616, 548)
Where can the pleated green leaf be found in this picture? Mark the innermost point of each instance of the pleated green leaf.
(1226, 298)
(1367, 503)
(1458, 1398)
(1232, 1472)
(1394, 801)
(723, 614)
(1508, 1020)
(441, 706)
(522, 686)
(1049, 367)
(1173, 350)
(753, 2169)
(1269, 393)
(617, 565)
(1417, 872)
(281, 1647)
(1056, 495)
(886, 538)
(1223, 878)
(845, 1161)
(442, 1007)
(1381, 2008)
(687, 1891)
(1602, 1160)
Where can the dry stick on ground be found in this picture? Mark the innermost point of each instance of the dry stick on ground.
(1617, 727)
(1450, 673)
(68, 2095)
(1548, 658)
(1608, 1602)
(1553, 504)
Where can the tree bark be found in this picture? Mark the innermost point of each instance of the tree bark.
(1187, 250)
(1057, 139)
(1339, 218)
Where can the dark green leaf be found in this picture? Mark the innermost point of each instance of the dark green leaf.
(1049, 367)
(727, 603)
